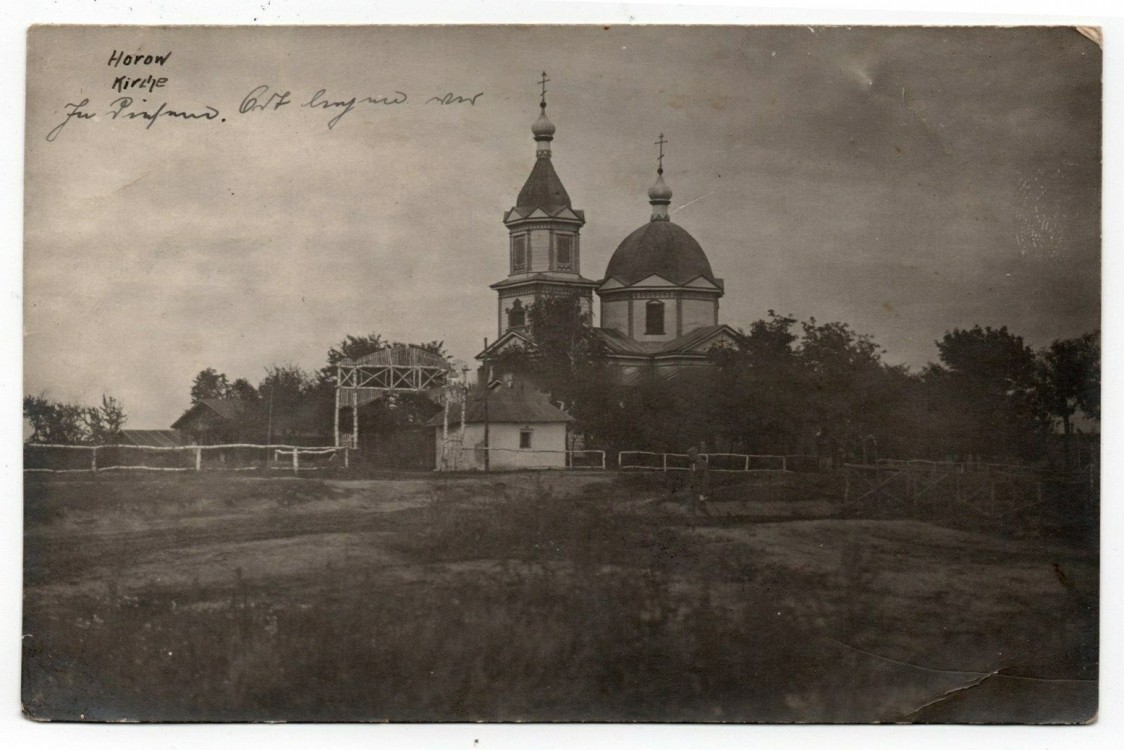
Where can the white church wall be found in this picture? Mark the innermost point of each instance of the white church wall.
(697, 313)
(614, 314)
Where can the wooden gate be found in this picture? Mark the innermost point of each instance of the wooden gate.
(987, 489)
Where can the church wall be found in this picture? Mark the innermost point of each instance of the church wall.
(614, 314)
(698, 313)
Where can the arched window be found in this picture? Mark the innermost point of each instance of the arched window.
(653, 318)
(516, 316)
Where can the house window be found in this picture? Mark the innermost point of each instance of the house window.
(564, 252)
(517, 315)
(519, 253)
(525, 438)
(653, 318)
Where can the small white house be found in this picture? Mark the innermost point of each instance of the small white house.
(525, 430)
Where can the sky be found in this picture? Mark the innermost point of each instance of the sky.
(905, 181)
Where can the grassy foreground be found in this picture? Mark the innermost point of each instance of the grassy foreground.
(535, 597)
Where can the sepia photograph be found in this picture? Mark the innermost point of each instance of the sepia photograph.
(562, 373)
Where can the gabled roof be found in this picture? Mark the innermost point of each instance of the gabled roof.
(518, 403)
(511, 336)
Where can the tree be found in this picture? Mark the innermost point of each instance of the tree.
(985, 390)
(1069, 379)
(567, 358)
(54, 423)
(104, 423)
(73, 424)
(209, 384)
(243, 390)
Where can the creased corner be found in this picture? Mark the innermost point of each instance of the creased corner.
(1093, 33)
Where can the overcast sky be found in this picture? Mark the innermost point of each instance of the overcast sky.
(903, 181)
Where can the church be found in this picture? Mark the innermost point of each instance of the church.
(658, 298)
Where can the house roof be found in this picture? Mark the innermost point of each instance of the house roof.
(152, 438)
(230, 409)
(518, 403)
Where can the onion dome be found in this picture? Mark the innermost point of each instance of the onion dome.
(543, 129)
(659, 195)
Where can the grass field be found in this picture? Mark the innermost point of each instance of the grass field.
(537, 597)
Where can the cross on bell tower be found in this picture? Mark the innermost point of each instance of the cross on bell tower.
(544, 243)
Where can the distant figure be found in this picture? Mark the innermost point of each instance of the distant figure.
(698, 482)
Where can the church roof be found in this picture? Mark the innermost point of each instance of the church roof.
(567, 277)
(543, 188)
(618, 343)
(660, 248)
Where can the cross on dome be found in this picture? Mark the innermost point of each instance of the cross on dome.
(542, 82)
(660, 143)
(659, 195)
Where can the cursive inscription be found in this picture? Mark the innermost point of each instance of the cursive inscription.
(123, 107)
(257, 101)
(72, 111)
(260, 99)
(452, 98)
(320, 100)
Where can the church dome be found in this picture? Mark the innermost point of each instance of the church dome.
(661, 248)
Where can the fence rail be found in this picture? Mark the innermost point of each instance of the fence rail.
(65, 459)
(469, 458)
(724, 462)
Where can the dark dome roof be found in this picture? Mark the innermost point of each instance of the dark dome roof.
(662, 248)
(543, 189)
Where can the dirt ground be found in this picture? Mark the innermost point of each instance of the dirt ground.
(566, 596)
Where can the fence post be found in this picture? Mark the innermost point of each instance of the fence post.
(94, 459)
(346, 454)
(198, 458)
(296, 460)
(664, 462)
(784, 463)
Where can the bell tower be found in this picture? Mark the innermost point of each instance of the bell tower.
(544, 243)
